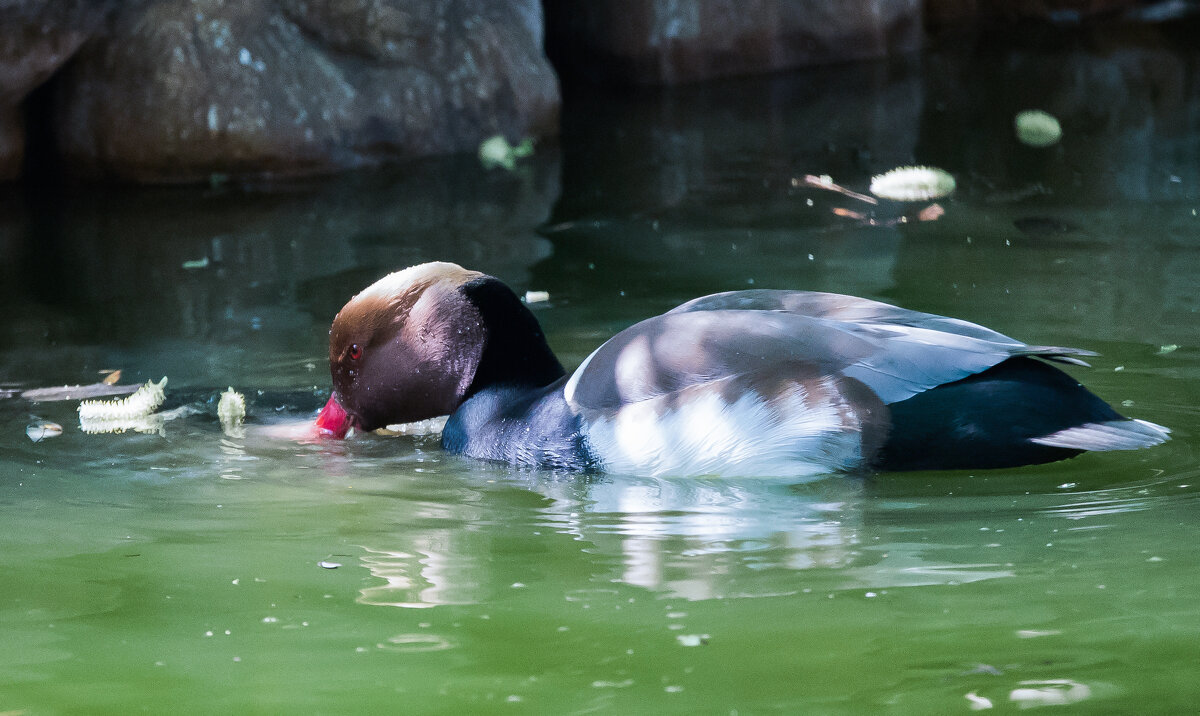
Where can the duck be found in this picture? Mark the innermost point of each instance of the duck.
(763, 382)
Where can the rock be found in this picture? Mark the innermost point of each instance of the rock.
(36, 38)
(941, 14)
(650, 42)
(12, 143)
(182, 90)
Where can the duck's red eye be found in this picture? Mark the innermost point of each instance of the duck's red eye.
(355, 351)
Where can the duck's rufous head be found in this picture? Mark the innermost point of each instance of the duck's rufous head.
(416, 343)
(404, 349)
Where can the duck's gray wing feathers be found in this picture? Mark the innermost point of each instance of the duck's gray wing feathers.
(706, 343)
(851, 309)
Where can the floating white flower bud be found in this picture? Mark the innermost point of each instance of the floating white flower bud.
(231, 409)
(141, 404)
(153, 423)
(913, 184)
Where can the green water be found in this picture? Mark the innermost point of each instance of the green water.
(195, 572)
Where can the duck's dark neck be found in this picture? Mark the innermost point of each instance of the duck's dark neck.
(516, 352)
(531, 427)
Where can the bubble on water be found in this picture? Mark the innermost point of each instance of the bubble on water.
(1035, 633)
(415, 643)
(1050, 692)
(977, 702)
(612, 684)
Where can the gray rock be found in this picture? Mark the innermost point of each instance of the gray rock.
(36, 38)
(181, 90)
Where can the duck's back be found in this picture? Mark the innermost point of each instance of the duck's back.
(793, 382)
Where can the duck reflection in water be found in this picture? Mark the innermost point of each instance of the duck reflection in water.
(691, 539)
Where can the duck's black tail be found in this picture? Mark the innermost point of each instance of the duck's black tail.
(1019, 412)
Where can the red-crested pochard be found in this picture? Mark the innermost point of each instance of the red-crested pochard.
(762, 382)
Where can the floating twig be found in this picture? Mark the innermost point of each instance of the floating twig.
(826, 182)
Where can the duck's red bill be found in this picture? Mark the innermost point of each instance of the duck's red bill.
(334, 421)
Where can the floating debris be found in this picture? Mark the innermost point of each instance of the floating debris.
(113, 377)
(692, 639)
(100, 415)
(977, 702)
(326, 564)
(826, 182)
(76, 392)
(497, 152)
(43, 430)
(231, 410)
(933, 212)
(429, 426)
(849, 214)
(913, 184)
(1036, 128)
(195, 264)
(1170, 348)
(537, 296)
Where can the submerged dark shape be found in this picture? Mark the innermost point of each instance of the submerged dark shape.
(759, 382)
(1044, 226)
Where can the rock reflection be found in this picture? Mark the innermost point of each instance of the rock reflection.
(245, 262)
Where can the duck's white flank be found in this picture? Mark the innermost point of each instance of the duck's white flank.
(696, 431)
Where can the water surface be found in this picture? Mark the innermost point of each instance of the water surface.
(196, 571)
